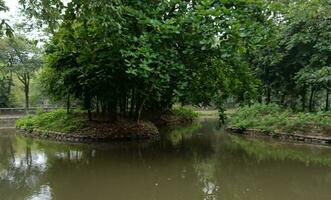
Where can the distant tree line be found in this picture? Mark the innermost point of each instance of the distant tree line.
(294, 63)
(19, 60)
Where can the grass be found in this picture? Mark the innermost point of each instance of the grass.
(273, 118)
(57, 120)
(77, 123)
(185, 113)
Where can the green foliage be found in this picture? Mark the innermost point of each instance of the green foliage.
(273, 118)
(132, 56)
(20, 58)
(57, 120)
(177, 134)
(4, 26)
(185, 113)
(4, 92)
(126, 57)
(293, 62)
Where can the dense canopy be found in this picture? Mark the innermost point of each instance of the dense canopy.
(126, 57)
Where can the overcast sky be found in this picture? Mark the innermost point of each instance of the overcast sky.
(13, 10)
(13, 17)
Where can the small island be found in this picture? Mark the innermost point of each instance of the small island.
(75, 127)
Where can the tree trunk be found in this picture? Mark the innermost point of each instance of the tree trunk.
(10, 82)
(122, 106)
(268, 95)
(259, 99)
(311, 100)
(68, 103)
(25, 80)
(303, 99)
(112, 109)
(27, 91)
(89, 114)
(126, 105)
(132, 103)
(97, 105)
(282, 99)
(140, 109)
(327, 101)
(143, 103)
(88, 106)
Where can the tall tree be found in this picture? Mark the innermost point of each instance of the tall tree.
(128, 56)
(21, 58)
(295, 58)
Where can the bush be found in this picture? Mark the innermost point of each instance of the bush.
(274, 118)
(57, 120)
(185, 113)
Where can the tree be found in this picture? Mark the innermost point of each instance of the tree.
(21, 58)
(5, 89)
(128, 57)
(297, 50)
(4, 26)
(6, 76)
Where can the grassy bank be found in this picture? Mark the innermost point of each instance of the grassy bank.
(76, 123)
(273, 118)
(57, 120)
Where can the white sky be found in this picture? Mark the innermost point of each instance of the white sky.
(13, 10)
(13, 16)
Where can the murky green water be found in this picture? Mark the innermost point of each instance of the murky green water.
(196, 162)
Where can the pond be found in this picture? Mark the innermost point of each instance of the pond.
(199, 161)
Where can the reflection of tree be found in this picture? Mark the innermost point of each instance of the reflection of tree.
(202, 164)
(6, 153)
(265, 151)
(206, 172)
(17, 173)
(198, 140)
(258, 170)
(24, 172)
(177, 135)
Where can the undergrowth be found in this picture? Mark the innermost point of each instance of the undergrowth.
(274, 118)
(185, 113)
(57, 120)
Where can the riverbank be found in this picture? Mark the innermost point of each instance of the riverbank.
(8, 121)
(273, 121)
(74, 127)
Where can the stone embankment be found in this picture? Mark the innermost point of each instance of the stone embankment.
(309, 139)
(79, 138)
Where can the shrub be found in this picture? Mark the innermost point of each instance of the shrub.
(185, 113)
(57, 120)
(273, 118)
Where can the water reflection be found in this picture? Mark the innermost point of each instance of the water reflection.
(44, 193)
(193, 162)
